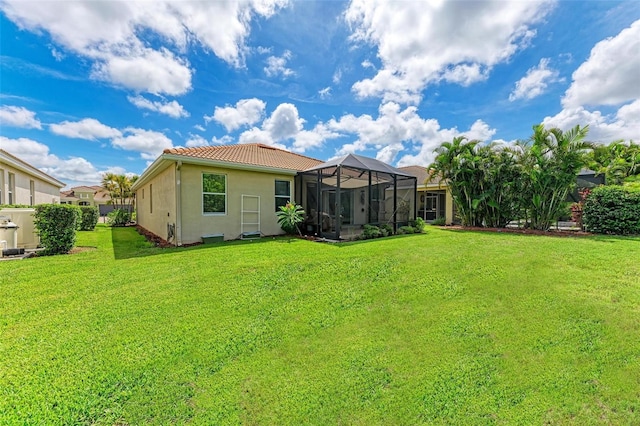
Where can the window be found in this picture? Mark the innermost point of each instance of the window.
(1, 186)
(283, 193)
(12, 189)
(150, 198)
(214, 193)
(32, 192)
(83, 203)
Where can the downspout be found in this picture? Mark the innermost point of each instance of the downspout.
(415, 198)
(369, 201)
(338, 207)
(395, 204)
(178, 203)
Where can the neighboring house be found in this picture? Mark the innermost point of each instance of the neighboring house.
(434, 198)
(21, 183)
(232, 191)
(94, 196)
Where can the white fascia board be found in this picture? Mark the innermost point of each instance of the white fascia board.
(164, 160)
(30, 170)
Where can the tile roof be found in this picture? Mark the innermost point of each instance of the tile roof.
(421, 173)
(253, 154)
(83, 189)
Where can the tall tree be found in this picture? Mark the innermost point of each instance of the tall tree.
(119, 188)
(551, 163)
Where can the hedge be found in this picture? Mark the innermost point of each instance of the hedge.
(89, 218)
(56, 224)
(612, 210)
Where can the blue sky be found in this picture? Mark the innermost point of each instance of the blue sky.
(88, 87)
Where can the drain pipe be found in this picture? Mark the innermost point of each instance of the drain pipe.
(178, 235)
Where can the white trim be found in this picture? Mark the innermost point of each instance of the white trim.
(226, 197)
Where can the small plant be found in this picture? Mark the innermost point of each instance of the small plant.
(406, 230)
(419, 225)
(118, 217)
(371, 231)
(388, 228)
(289, 218)
(441, 221)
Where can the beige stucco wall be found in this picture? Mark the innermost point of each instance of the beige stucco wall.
(163, 198)
(239, 182)
(45, 193)
(27, 237)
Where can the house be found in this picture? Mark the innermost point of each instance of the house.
(94, 196)
(434, 197)
(21, 183)
(234, 191)
(228, 191)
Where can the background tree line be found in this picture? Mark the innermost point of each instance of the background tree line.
(494, 184)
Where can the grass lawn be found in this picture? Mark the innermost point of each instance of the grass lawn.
(447, 327)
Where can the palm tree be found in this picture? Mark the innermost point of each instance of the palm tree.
(551, 163)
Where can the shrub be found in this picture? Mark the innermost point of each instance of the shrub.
(289, 218)
(371, 231)
(89, 218)
(118, 217)
(420, 225)
(612, 210)
(441, 221)
(406, 230)
(388, 228)
(56, 224)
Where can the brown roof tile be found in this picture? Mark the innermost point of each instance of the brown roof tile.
(251, 154)
(421, 173)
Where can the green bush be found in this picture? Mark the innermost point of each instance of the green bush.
(89, 218)
(15, 206)
(290, 216)
(118, 217)
(56, 224)
(371, 231)
(441, 221)
(612, 210)
(388, 228)
(419, 225)
(406, 230)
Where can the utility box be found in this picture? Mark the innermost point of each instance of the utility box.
(212, 238)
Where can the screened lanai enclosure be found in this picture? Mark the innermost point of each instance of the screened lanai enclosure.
(342, 195)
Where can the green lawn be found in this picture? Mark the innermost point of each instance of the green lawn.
(447, 327)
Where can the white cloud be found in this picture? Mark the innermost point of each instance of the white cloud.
(394, 129)
(264, 50)
(624, 124)
(337, 76)
(325, 93)
(149, 143)
(196, 140)
(72, 171)
(454, 41)
(199, 127)
(278, 65)
(88, 128)
(535, 82)
(245, 113)
(610, 75)
(109, 33)
(224, 140)
(284, 122)
(368, 64)
(172, 109)
(146, 70)
(315, 138)
(19, 117)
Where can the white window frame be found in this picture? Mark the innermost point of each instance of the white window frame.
(226, 185)
(32, 192)
(11, 196)
(288, 197)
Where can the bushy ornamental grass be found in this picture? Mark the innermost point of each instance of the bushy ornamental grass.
(440, 328)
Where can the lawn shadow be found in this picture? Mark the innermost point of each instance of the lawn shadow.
(128, 243)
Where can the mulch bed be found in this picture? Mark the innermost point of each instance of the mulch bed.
(524, 231)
